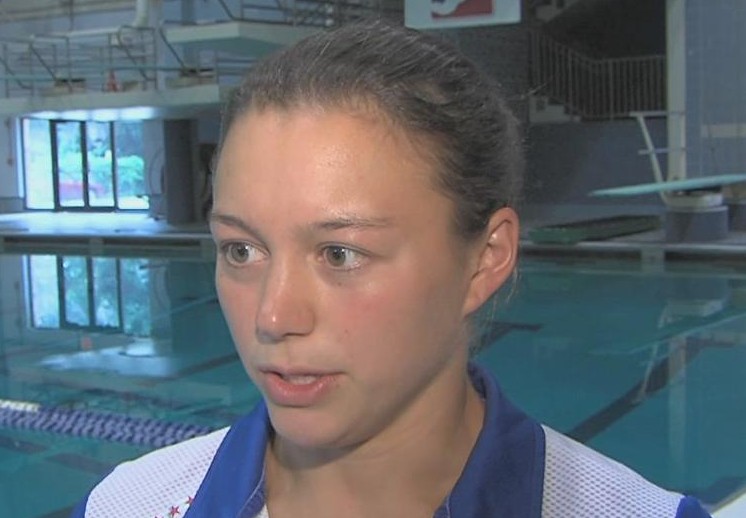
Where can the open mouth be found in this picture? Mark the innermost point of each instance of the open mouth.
(297, 389)
(306, 379)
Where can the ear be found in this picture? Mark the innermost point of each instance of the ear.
(494, 259)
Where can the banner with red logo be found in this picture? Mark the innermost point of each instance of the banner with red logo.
(433, 14)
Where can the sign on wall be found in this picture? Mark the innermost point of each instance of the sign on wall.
(434, 14)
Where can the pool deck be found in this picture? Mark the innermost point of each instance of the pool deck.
(733, 509)
(136, 232)
(31, 230)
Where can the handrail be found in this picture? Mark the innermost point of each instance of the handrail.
(80, 59)
(42, 61)
(142, 56)
(596, 88)
(12, 74)
(126, 50)
(171, 49)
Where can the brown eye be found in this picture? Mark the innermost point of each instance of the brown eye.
(342, 258)
(239, 254)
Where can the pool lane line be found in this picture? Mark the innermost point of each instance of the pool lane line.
(659, 378)
(123, 395)
(70, 460)
(501, 328)
(65, 512)
(102, 426)
(81, 463)
(20, 445)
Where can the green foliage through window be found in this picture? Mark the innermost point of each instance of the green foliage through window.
(111, 165)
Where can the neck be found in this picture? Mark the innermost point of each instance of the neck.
(403, 463)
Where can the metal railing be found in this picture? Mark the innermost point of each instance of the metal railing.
(315, 13)
(595, 88)
(224, 68)
(129, 58)
(96, 60)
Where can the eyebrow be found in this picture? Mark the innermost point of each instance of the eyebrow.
(346, 221)
(232, 221)
(351, 221)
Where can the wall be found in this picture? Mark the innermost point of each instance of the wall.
(29, 18)
(11, 189)
(715, 87)
(10, 178)
(501, 51)
(567, 161)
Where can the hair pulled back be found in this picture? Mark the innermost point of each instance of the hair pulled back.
(418, 81)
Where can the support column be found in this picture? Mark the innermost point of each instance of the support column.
(676, 87)
(179, 147)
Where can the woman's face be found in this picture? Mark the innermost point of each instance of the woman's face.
(344, 286)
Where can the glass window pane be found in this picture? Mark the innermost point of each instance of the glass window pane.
(70, 164)
(100, 183)
(37, 164)
(136, 296)
(105, 292)
(45, 295)
(75, 271)
(131, 186)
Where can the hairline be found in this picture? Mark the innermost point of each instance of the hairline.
(424, 144)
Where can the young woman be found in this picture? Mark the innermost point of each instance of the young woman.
(363, 214)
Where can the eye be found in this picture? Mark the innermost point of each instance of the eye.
(342, 258)
(240, 253)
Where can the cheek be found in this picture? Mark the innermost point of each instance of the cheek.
(393, 319)
(238, 303)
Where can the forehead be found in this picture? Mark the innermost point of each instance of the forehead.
(328, 156)
(361, 114)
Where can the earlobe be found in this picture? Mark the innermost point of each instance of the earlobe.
(496, 258)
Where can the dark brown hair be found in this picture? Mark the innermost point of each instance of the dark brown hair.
(419, 81)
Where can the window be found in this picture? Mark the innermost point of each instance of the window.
(94, 166)
(103, 294)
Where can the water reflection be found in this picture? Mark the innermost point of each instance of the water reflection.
(81, 323)
(648, 366)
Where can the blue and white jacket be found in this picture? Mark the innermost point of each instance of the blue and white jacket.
(518, 469)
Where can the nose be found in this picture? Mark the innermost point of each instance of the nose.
(285, 308)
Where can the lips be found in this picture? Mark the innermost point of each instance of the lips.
(297, 388)
(299, 380)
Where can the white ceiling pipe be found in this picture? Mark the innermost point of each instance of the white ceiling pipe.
(142, 13)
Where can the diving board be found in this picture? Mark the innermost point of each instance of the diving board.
(685, 185)
(695, 208)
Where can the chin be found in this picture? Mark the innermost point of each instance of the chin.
(306, 428)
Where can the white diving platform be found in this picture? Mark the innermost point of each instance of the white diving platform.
(143, 86)
(172, 103)
(237, 37)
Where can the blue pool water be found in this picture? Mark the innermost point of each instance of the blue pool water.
(104, 358)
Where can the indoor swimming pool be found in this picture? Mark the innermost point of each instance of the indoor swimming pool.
(103, 358)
